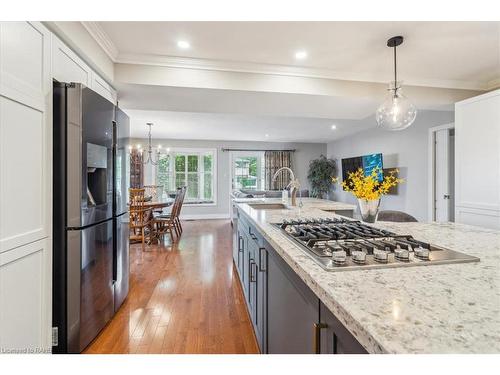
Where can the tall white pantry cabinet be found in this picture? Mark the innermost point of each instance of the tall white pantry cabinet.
(477, 160)
(30, 57)
(25, 187)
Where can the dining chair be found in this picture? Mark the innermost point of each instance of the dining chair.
(140, 216)
(177, 219)
(170, 223)
(396, 216)
(165, 223)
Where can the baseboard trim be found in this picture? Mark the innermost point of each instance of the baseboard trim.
(205, 217)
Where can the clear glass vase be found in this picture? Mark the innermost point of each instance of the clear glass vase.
(369, 209)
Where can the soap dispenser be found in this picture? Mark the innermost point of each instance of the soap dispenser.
(284, 197)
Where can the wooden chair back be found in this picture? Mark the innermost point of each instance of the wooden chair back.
(139, 214)
(136, 197)
(175, 206)
(181, 200)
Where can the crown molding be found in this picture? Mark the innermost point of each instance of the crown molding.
(283, 70)
(100, 36)
(105, 42)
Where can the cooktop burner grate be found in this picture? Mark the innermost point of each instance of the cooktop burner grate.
(341, 244)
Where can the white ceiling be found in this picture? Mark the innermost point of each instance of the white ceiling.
(218, 126)
(459, 54)
(435, 56)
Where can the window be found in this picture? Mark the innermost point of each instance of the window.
(248, 171)
(192, 168)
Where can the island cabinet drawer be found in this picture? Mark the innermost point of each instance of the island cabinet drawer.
(333, 337)
(250, 231)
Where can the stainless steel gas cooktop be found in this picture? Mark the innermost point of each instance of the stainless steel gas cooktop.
(339, 244)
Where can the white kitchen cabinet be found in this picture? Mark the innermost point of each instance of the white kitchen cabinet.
(25, 185)
(68, 67)
(100, 86)
(25, 319)
(477, 161)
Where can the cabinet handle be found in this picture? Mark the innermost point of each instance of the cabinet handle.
(240, 246)
(262, 263)
(317, 336)
(252, 270)
(254, 237)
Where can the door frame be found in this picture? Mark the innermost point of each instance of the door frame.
(431, 200)
(233, 155)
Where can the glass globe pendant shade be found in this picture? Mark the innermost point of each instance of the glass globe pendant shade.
(396, 112)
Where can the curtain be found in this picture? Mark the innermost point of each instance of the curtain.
(275, 160)
(136, 170)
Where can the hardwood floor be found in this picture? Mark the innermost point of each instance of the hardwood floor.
(183, 298)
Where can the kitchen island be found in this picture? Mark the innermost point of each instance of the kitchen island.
(452, 308)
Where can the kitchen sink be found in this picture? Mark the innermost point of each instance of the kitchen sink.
(269, 206)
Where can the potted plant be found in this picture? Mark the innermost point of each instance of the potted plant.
(321, 173)
(369, 189)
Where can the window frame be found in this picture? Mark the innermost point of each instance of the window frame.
(200, 152)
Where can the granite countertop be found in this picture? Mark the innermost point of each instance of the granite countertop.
(453, 308)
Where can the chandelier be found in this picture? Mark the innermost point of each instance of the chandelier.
(396, 112)
(149, 158)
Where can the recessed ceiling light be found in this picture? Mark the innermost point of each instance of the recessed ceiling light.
(300, 55)
(267, 135)
(334, 127)
(183, 44)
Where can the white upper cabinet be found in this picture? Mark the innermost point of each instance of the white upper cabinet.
(477, 181)
(103, 88)
(68, 67)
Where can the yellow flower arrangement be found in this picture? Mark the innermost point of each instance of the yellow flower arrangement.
(369, 187)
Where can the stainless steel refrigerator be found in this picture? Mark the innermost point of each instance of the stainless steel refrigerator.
(90, 259)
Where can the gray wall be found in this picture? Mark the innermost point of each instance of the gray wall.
(406, 150)
(303, 154)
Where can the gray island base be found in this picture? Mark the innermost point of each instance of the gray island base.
(297, 307)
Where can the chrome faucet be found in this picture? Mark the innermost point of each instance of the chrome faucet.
(294, 184)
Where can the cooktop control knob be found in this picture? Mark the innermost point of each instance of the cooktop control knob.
(422, 253)
(358, 257)
(402, 254)
(339, 257)
(380, 256)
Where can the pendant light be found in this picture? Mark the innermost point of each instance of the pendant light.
(396, 112)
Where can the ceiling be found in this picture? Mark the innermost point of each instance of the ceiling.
(183, 99)
(442, 52)
(218, 126)
(435, 56)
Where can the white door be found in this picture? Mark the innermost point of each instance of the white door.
(444, 175)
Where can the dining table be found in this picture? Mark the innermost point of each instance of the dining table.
(154, 206)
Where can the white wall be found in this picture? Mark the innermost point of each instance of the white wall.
(303, 154)
(406, 150)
